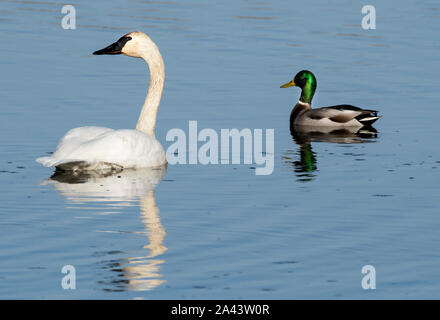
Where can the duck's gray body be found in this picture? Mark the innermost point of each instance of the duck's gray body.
(334, 116)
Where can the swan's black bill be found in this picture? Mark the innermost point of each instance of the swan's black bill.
(114, 48)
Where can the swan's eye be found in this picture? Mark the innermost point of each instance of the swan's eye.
(124, 39)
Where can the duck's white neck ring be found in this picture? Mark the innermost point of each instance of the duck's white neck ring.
(304, 103)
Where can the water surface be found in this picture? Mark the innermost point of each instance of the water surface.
(332, 205)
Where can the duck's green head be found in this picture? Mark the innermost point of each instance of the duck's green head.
(307, 82)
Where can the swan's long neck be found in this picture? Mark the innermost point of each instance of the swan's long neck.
(147, 119)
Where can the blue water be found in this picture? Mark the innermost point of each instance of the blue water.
(220, 231)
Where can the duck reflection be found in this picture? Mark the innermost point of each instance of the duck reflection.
(303, 136)
(122, 188)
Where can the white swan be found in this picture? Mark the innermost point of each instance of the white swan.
(98, 148)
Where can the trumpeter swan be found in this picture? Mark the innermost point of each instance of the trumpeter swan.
(98, 148)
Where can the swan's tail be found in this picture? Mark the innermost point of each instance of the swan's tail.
(54, 162)
(78, 165)
(46, 161)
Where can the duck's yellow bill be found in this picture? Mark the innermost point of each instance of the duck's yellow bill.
(288, 84)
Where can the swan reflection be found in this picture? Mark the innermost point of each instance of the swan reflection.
(123, 188)
(306, 167)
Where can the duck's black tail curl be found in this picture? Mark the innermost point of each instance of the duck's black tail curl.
(368, 117)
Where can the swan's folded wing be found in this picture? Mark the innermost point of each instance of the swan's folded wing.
(69, 142)
(82, 134)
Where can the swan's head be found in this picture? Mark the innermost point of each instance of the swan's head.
(134, 44)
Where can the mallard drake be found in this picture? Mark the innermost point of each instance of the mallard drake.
(343, 115)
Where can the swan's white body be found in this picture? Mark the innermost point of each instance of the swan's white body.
(99, 148)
